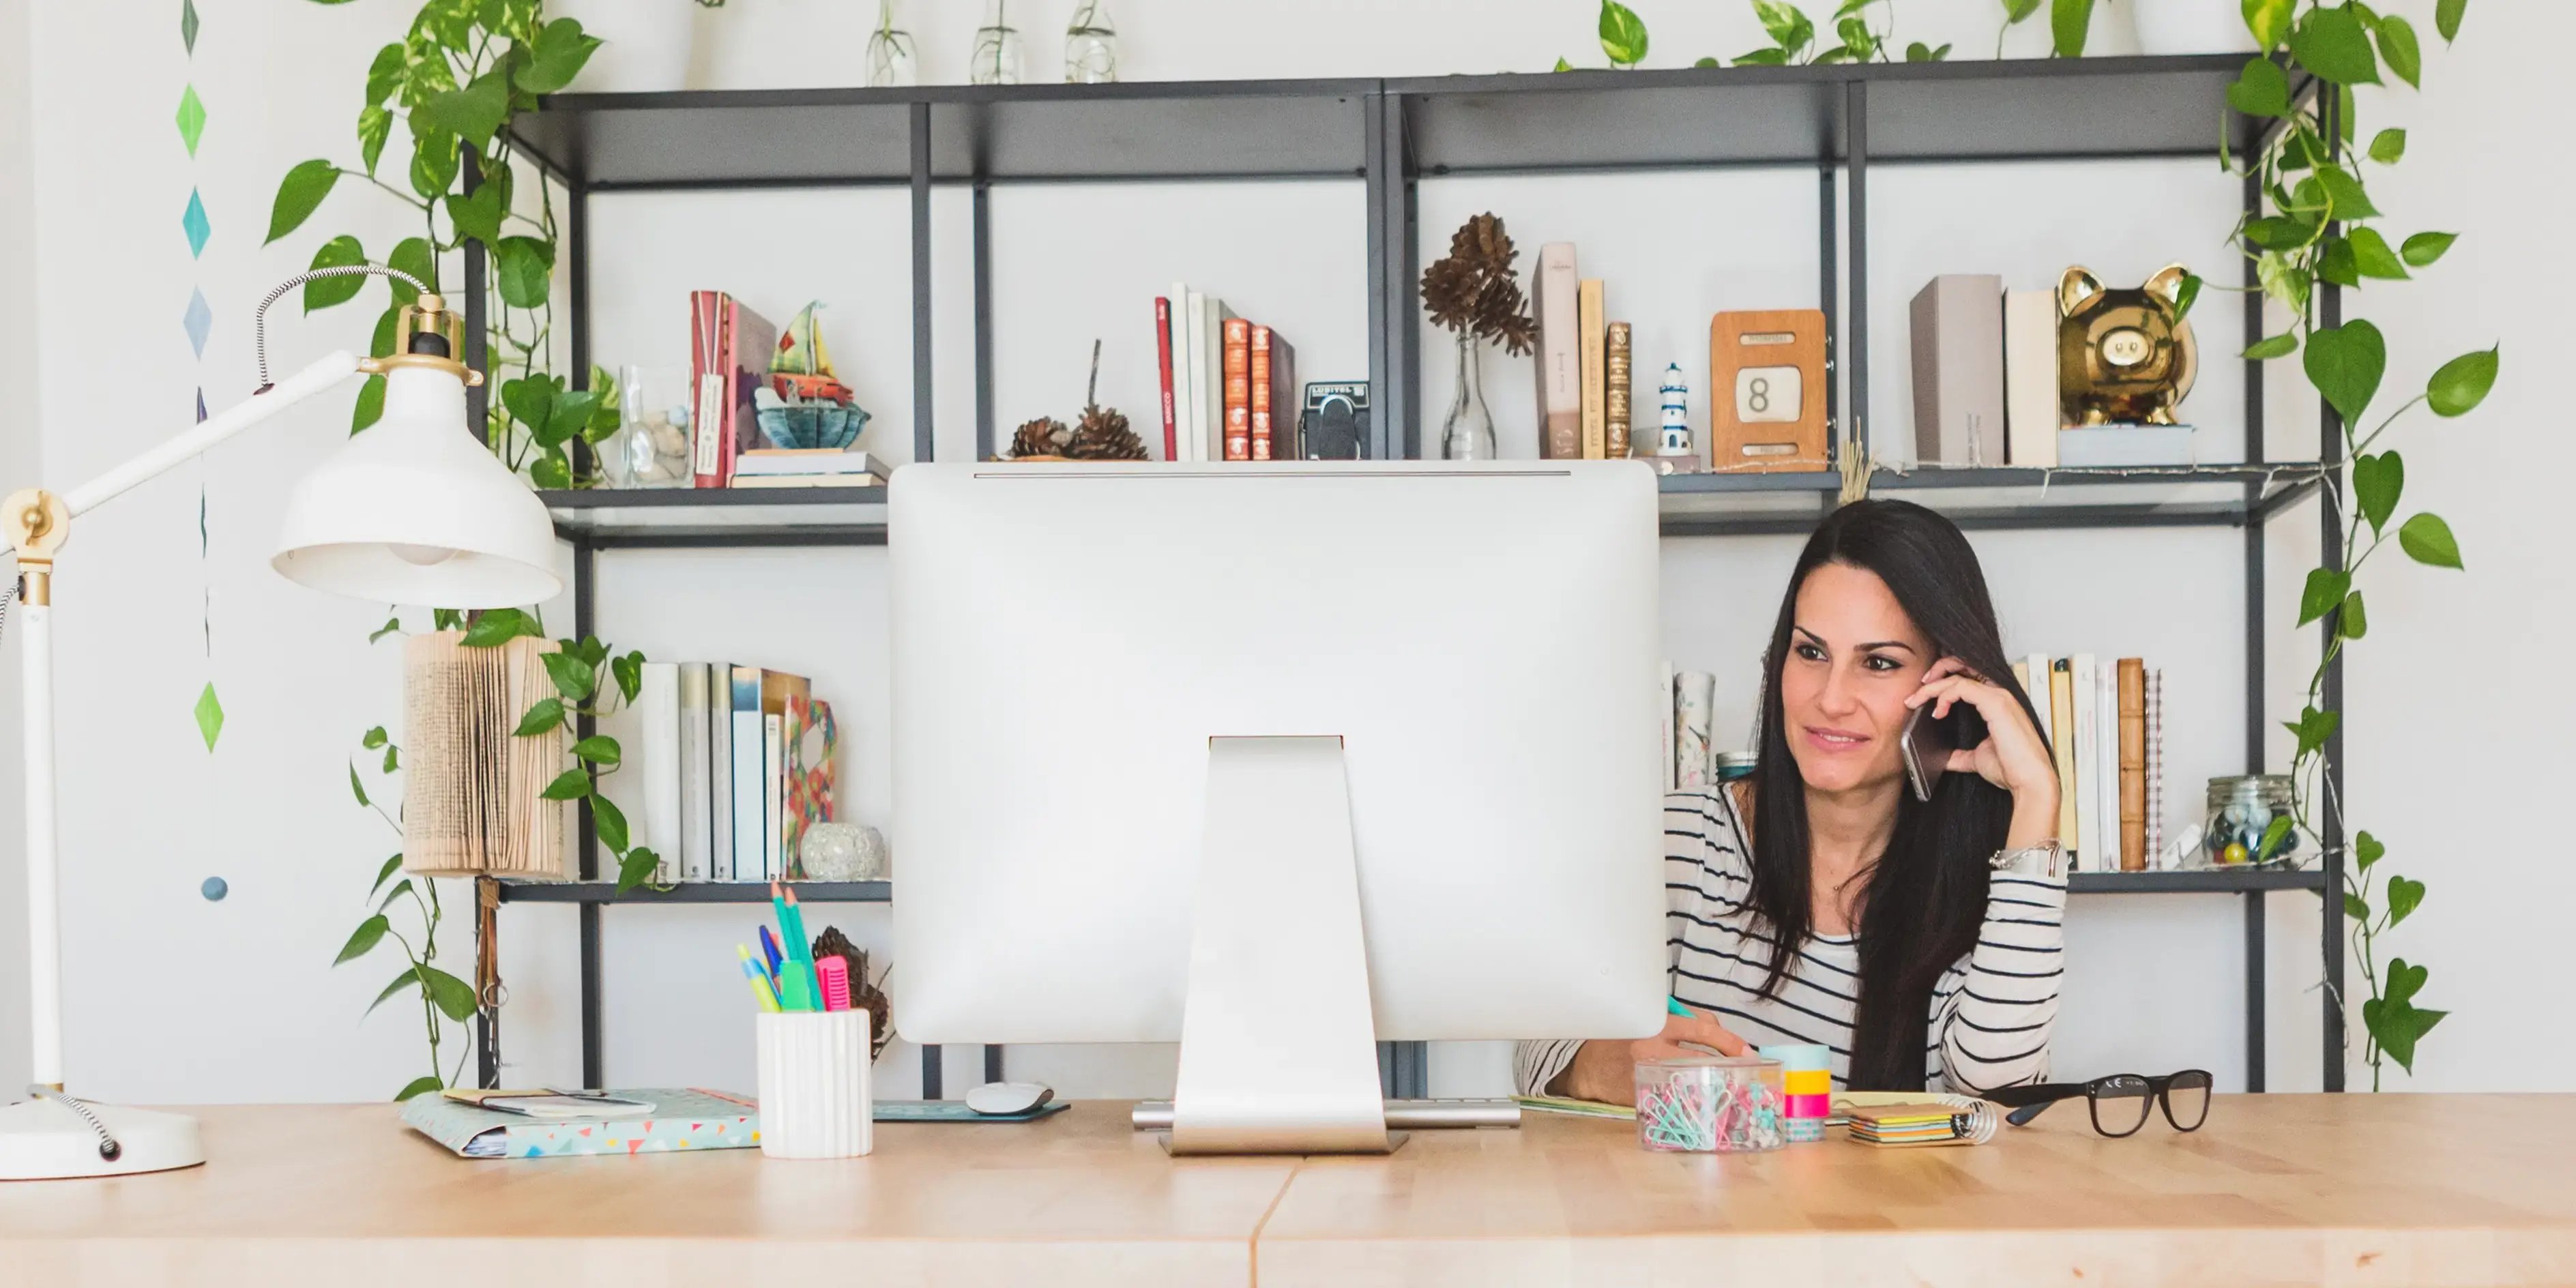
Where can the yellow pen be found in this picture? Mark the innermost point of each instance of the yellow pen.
(759, 978)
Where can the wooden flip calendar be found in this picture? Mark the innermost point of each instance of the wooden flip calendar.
(1767, 391)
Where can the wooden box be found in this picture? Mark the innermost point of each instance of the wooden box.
(1766, 374)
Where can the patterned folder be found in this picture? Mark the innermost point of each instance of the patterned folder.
(680, 1120)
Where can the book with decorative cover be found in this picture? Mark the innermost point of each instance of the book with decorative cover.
(1592, 366)
(1238, 389)
(1274, 396)
(811, 737)
(679, 1120)
(1615, 396)
(729, 352)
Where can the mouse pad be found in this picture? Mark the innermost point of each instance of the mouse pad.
(955, 1111)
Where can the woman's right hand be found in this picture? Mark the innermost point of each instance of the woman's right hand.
(1606, 1070)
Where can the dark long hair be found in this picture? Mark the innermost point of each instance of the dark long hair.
(1926, 894)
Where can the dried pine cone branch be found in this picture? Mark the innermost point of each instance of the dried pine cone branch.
(1044, 436)
(1472, 290)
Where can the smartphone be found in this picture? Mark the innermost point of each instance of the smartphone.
(1926, 744)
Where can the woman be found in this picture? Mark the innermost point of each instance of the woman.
(1819, 900)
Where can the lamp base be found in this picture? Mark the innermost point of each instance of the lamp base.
(43, 1140)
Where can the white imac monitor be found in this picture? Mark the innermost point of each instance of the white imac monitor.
(1276, 761)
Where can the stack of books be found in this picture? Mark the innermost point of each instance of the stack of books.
(736, 762)
(1229, 384)
(808, 467)
(1584, 386)
(2104, 720)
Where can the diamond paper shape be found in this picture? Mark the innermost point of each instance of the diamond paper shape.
(192, 119)
(210, 716)
(195, 222)
(188, 23)
(201, 406)
(199, 320)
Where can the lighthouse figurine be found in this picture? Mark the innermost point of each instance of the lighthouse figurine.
(1677, 435)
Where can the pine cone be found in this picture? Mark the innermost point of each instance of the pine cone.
(864, 994)
(1104, 436)
(1472, 290)
(1044, 436)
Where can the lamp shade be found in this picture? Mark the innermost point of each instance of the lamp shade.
(414, 511)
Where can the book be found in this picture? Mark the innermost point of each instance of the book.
(821, 464)
(1235, 348)
(750, 825)
(1958, 338)
(813, 740)
(1212, 377)
(1274, 396)
(2034, 681)
(1188, 323)
(2133, 764)
(657, 714)
(773, 797)
(2061, 719)
(1593, 367)
(720, 834)
(2086, 840)
(1921, 1123)
(729, 351)
(769, 482)
(2102, 787)
(2031, 416)
(1553, 304)
(696, 783)
(679, 1119)
(1163, 367)
(474, 804)
(2156, 765)
(1617, 392)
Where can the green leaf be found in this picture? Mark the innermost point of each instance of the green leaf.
(529, 400)
(555, 57)
(526, 269)
(1857, 38)
(364, 939)
(588, 648)
(2336, 264)
(2262, 89)
(2069, 21)
(433, 160)
(552, 470)
(414, 256)
(393, 759)
(2398, 49)
(2269, 20)
(375, 125)
(2312, 727)
(2372, 257)
(2377, 482)
(2446, 18)
(391, 626)
(629, 671)
(406, 979)
(373, 738)
(1562, 66)
(605, 417)
(544, 717)
(498, 626)
(425, 1084)
(391, 866)
(2273, 836)
(2410, 1024)
(1764, 58)
(401, 888)
(611, 822)
(570, 785)
(2270, 347)
(1787, 26)
(453, 997)
(447, 619)
(2346, 193)
(356, 788)
(474, 113)
(2326, 588)
(2404, 982)
(2345, 364)
(569, 416)
(2351, 621)
(2333, 43)
(298, 195)
(636, 868)
(385, 74)
(2189, 296)
(598, 749)
(1702, 61)
(370, 407)
(2367, 850)
(2278, 232)
(1623, 34)
(2462, 383)
(2404, 897)
(2016, 10)
(2388, 147)
(478, 214)
(2355, 907)
(2422, 249)
(2428, 540)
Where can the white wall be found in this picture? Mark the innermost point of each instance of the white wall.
(257, 1014)
(20, 461)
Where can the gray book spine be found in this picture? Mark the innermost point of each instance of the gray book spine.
(1958, 342)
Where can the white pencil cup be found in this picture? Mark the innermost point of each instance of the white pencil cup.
(817, 1093)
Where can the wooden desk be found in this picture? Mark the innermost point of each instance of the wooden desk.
(2278, 1189)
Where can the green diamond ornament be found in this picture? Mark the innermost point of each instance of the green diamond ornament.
(192, 119)
(188, 23)
(210, 716)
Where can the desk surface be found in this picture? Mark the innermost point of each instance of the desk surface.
(2277, 1189)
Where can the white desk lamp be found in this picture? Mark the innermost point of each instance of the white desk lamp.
(412, 511)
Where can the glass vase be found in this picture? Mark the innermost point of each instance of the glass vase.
(996, 60)
(1090, 45)
(890, 54)
(1467, 434)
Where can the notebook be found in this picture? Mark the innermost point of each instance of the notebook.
(679, 1120)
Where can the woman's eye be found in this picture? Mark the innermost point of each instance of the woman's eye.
(1880, 662)
(1810, 653)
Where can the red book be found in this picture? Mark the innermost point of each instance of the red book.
(729, 351)
(1163, 358)
(1238, 390)
(1274, 391)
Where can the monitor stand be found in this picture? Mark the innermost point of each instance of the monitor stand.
(1278, 1045)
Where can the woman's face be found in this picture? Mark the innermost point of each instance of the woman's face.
(1854, 658)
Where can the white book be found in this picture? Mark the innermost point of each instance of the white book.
(657, 713)
(2031, 414)
(2105, 767)
(773, 794)
(1212, 380)
(808, 462)
(720, 865)
(750, 827)
(1188, 311)
(2037, 687)
(2088, 739)
(694, 780)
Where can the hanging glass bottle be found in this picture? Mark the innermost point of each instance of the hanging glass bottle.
(1468, 433)
(1090, 45)
(996, 60)
(890, 55)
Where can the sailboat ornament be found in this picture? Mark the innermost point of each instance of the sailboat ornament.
(802, 405)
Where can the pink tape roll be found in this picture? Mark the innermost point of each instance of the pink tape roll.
(1807, 1106)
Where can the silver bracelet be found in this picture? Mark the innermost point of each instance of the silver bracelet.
(2046, 859)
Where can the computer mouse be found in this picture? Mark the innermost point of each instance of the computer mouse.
(1008, 1097)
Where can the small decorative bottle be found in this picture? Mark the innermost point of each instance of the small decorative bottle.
(890, 55)
(996, 60)
(1090, 45)
(1468, 432)
(1677, 435)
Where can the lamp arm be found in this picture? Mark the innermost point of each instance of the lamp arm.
(330, 370)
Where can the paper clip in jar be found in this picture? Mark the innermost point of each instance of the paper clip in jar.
(1710, 1105)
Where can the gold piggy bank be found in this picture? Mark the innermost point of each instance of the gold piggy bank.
(2124, 357)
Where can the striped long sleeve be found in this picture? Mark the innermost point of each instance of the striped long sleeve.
(1992, 1014)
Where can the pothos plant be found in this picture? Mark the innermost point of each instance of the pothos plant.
(452, 83)
(1793, 35)
(2319, 226)
(2070, 23)
(588, 681)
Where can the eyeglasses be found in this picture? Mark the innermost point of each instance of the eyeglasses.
(2119, 1102)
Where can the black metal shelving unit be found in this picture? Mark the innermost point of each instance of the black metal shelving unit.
(1388, 136)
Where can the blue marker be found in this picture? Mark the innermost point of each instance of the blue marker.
(1674, 1005)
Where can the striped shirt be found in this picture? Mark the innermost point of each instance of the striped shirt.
(1991, 1011)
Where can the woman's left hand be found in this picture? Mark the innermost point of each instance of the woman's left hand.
(2013, 756)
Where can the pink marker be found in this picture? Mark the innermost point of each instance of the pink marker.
(832, 974)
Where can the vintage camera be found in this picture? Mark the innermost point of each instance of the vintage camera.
(1335, 424)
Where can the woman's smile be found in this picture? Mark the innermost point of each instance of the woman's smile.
(1834, 741)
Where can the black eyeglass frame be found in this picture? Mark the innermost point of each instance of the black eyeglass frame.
(2029, 1102)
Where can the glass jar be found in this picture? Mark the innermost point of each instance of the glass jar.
(2242, 809)
(890, 57)
(1467, 434)
(996, 60)
(1090, 45)
(651, 445)
(1710, 1104)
